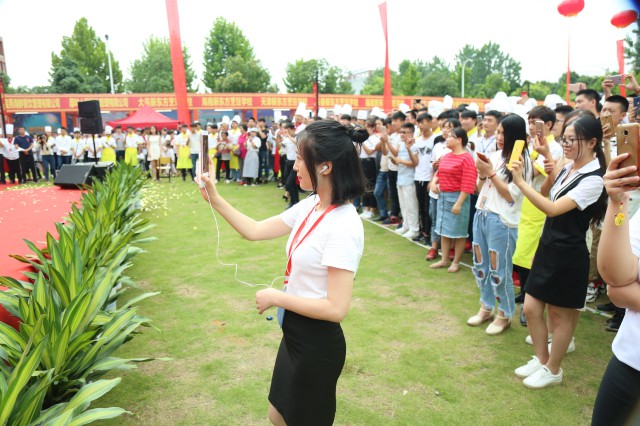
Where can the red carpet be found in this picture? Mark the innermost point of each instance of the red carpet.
(29, 214)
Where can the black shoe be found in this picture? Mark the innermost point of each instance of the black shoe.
(417, 239)
(607, 307)
(520, 297)
(613, 323)
(380, 218)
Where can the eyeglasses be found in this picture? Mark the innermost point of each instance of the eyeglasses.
(570, 141)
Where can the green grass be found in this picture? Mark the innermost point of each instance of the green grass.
(411, 358)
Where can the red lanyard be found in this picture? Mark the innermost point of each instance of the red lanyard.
(295, 243)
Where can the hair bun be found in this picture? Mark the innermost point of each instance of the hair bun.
(358, 135)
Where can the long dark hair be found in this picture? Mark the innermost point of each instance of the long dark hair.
(329, 141)
(588, 128)
(514, 128)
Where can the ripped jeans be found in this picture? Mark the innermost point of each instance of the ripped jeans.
(493, 246)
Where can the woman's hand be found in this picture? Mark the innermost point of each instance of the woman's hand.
(456, 209)
(615, 181)
(549, 165)
(266, 298)
(485, 168)
(541, 146)
(516, 172)
(209, 192)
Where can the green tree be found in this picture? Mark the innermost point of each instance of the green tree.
(244, 76)
(374, 84)
(409, 77)
(302, 74)
(89, 53)
(225, 41)
(67, 77)
(153, 72)
(632, 49)
(437, 79)
(487, 60)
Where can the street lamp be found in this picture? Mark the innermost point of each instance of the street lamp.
(109, 59)
(464, 64)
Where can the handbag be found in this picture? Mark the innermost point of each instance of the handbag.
(237, 152)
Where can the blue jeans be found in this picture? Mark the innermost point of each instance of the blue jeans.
(382, 182)
(263, 156)
(492, 237)
(49, 163)
(194, 160)
(433, 214)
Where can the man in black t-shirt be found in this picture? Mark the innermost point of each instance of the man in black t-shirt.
(264, 151)
(24, 142)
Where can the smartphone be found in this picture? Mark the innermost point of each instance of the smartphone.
(607, 119)
(574, 87)
(627, 136)
(204, 156)
(636, 102)
(616, 79)
(482, 157)
(516, 153)
(540, 127)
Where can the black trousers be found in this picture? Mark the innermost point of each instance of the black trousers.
(227, 169)
(393, 193)
(370, 172)
(422, 192)
(291, 185)
(472, 214)
(14, 170)
(2, 178)
(618, 400)
(27, 164)
(119, 155)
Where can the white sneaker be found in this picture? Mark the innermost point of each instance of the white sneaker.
(401, 231)
(571, 348)
(367, 215)
(411, 234)
(363, 214)
(529, 368)
(592, 293)
(529, 341)
(543, 378)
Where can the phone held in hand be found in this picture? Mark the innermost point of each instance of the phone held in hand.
(482, 157)
(616, 79)
(539, 127)
(204, 156)
(627, 136)
(607, 119)
(636, 102)
(516, 153)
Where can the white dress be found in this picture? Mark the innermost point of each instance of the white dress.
(251, 161)
(154, 147)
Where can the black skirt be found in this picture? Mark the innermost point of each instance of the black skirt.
(560, 277)
(309, 362)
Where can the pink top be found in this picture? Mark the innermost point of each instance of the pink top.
(457, 173)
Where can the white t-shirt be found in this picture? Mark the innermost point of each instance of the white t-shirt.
(64, 144)
(486, 145)
(490, 199)
(439, 150)
(194, 143)
(424, 148)
(371, 144)
(290, 148)
(8, 150)
(626, 345)
(337, 241)
(588, 190)
(394, 140)
(132, 140)
(99, 145)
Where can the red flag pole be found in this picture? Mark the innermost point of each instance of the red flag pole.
(568, 96)
(177, 62)
(387, 104)
(620, 48)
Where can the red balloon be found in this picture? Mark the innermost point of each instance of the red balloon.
(624, 18)
(570, 7)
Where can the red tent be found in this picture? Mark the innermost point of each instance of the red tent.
(145, 117)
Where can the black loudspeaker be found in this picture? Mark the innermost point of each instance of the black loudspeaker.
(75, 175)
(102, 168)
(90, 117)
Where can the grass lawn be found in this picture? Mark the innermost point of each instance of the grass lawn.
(411, 358)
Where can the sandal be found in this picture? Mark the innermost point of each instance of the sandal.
(479, 319)
(494, 330)
(440, 264)
(455, 267)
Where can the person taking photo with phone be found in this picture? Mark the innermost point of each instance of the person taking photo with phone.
(326, 240)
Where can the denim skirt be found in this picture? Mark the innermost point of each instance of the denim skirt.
(450, 225)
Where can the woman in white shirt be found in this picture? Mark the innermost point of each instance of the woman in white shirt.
(368, 160)
(153, 141)
(495, 226)
(251, 161)
(326, 240)
(618, 253)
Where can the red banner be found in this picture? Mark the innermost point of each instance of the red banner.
(387, 104)
(177, 61)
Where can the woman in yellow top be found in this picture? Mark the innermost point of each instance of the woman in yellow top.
(184, 152)
(109, 146)
(131, 142)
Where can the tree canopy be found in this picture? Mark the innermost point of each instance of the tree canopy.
(89, 53)
(153, 72)
(302, 74)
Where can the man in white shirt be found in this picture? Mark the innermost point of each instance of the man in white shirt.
(486, 144)
(119, 137)
(194, 147)
(65, 147)
(94, 148)
(423, 148)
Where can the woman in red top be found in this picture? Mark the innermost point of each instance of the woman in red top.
(455, 180)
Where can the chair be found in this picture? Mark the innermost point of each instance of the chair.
(164, 165)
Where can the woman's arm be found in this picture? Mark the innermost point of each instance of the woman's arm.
(391, 148)
(486, 170)
(249, 228)
(625, 297)
(334, 308)
(458, 205)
